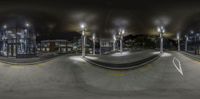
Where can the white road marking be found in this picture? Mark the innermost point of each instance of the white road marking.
(179, 68)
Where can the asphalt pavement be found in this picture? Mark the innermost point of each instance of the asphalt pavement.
(172, 76)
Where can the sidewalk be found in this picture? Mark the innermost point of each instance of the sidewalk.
(125, 57)
(130, 60)
(28, 61)
(195, 57)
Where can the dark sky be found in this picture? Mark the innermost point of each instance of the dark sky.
(103, 17)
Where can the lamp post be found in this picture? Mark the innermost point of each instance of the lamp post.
(4, 39)
(93, 38)
(4, 26)
(161, 30)
(178, 39)
(27, 24)
(186, 42)
(114, 41)
(195, 44)
(27, 49)
(83, 39)
(121, 34)
(197, 41)
(194, 36)
(193, 41)
(100, 46)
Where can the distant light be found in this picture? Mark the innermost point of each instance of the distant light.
(119, 32)
(82, 26)
(27, 25)
(4, 26)
(83, 33)
(178, 36)
(158, 29)
(186, 37)
(197, 34)
(114, 37)
(123, 31)
(191, 31)
(25, 30)
(161, 29)
(93, 37)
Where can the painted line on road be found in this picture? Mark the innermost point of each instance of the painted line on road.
(179, 68)
(118, 73)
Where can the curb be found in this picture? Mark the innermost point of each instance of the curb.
(190, 56)
(125, 68)
(32, 63)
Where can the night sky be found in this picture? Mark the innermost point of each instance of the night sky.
(59, 19)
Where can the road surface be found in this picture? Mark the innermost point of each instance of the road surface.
(172, 76)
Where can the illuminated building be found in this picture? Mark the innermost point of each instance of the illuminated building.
(58, 46)
(17, 39)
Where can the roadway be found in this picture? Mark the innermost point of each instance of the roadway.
(173, 75)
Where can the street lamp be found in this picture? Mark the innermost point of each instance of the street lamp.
(191, 32)
(114, 41)
(178, 39)
(4, 37)
(26, 34)
(186, 42)
(121, 34)
(83, 39)
(26, 30)
(4, 26)
(27, 24)
(161, 30)
(93, 38)
(4, 30)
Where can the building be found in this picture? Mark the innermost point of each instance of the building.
(17, 39)
(106, 46)
(58, 46)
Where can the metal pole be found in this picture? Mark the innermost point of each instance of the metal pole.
(100, 47)
(195, 45)
(83, 44)
(198, 45)
(121, 46)
(161, 42)
(93, 46)
(178, 44)
(114, 45)
(186, 39)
